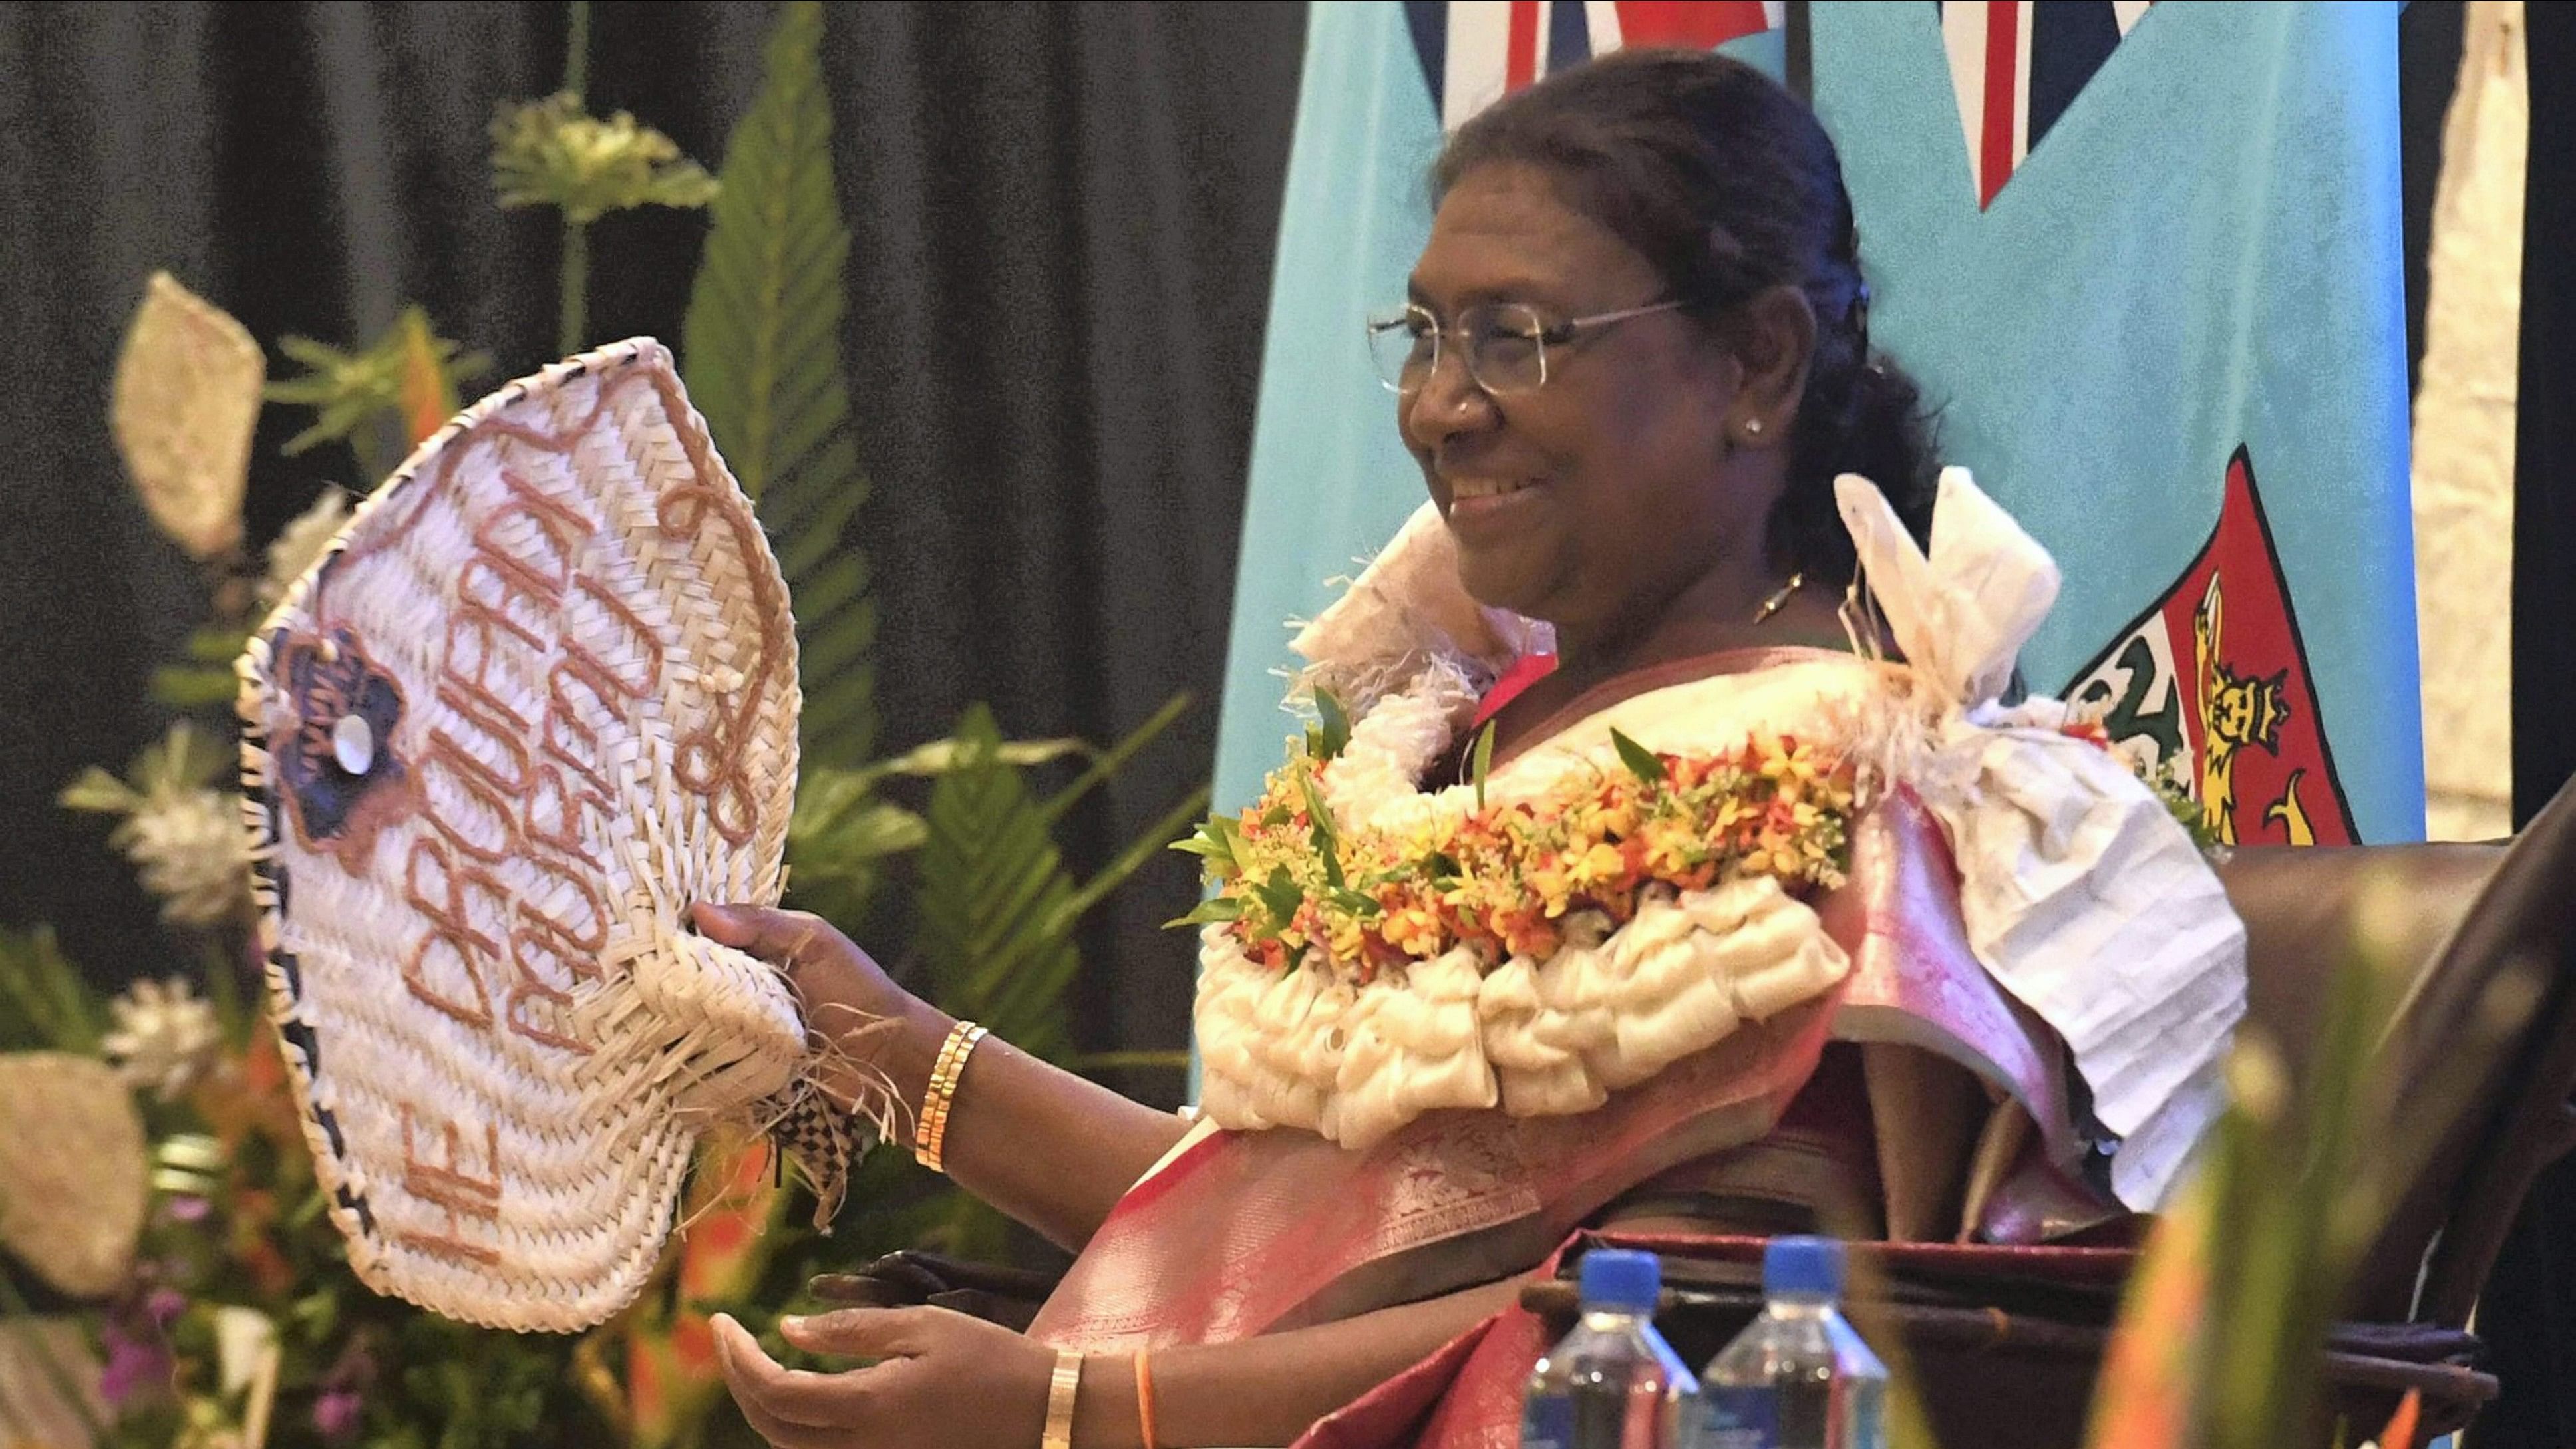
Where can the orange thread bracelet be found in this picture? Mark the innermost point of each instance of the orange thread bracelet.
(1145, 1398)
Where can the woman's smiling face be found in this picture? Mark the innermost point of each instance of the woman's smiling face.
(1594, 499)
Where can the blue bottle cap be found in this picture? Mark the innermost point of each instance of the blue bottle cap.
(1620, 1278)
(1803, 1265)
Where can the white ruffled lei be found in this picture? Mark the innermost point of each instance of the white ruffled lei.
(1308, 1049)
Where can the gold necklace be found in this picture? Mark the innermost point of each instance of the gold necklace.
(1771, 605)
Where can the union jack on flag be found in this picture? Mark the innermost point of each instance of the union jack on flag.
(1475, 52)
(2016, 65)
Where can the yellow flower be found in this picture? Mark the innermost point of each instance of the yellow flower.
(1414, 930)
(1598, 865)
(1345, 941)
(1672, 847)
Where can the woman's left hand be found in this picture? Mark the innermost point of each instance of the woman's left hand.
(939, 1374)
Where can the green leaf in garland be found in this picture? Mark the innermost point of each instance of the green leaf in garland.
(1333, 726)
(761, 351)
(1319, 824)
(1280, 896)
(1482, 764)
(1357, 904)
(1641, 762)
(1213, 842)
(1214, 908)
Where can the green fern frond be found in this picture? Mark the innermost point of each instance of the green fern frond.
(998, 909)
(993, 896)
(761, 348)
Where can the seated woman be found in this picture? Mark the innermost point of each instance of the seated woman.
(1646, 886)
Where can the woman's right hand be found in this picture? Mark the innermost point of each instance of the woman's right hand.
(848, 999)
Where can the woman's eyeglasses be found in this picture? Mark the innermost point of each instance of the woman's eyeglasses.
(1506, 343)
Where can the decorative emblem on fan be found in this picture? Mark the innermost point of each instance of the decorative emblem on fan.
(536, 699)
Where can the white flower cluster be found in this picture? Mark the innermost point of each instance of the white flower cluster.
(299, 544)
(191, 851)
(165, 1038)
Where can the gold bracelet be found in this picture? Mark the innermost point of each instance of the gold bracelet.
(931, 1132)
(1060, 1395)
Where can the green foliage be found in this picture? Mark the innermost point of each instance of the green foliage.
(483, 1389)
(350, 393)
(180, 761)
(761, 350)
(550, 153)
(205, 675)
(44, 1005)
(843, 832)
(997, 906)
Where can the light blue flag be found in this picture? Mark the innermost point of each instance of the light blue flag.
(2141, 257)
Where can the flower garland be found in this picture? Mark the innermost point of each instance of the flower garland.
(1507, 879)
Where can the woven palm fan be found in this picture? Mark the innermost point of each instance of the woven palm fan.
(536, 699)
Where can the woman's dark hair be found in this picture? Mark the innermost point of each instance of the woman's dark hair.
(1727, 184)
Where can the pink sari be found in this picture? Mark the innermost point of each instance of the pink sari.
(1244, 1233)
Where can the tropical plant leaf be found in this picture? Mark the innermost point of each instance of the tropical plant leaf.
(838, 839)
(1482, 764)
(193, 686)
(941, 756)
(1149, 842)
(1113, 759)
(218, 644)
(44, 1004)
(993, 891)
(997, 907)
(761, 350)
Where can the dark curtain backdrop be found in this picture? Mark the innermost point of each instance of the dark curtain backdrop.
(1062, 220)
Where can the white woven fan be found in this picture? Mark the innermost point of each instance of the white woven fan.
(536, 699)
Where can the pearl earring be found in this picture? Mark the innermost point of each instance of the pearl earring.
(1753, 427)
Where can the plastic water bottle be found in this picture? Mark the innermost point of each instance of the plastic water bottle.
(1613, 1383)
(1797, 1377)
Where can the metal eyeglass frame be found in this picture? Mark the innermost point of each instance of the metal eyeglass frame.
(1541, 333)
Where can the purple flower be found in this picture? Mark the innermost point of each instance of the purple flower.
(134, 1369)
(187, 1208)
(164, 1305)
(338, 1414)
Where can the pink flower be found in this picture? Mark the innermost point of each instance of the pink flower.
(338, 1414)
(136, 1369)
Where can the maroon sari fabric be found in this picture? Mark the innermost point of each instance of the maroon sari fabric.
(1246, 1233)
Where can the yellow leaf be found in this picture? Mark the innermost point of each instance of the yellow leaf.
(184, 405)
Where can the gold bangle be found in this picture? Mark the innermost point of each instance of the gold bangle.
(931, 1132)
(1060, 1395)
